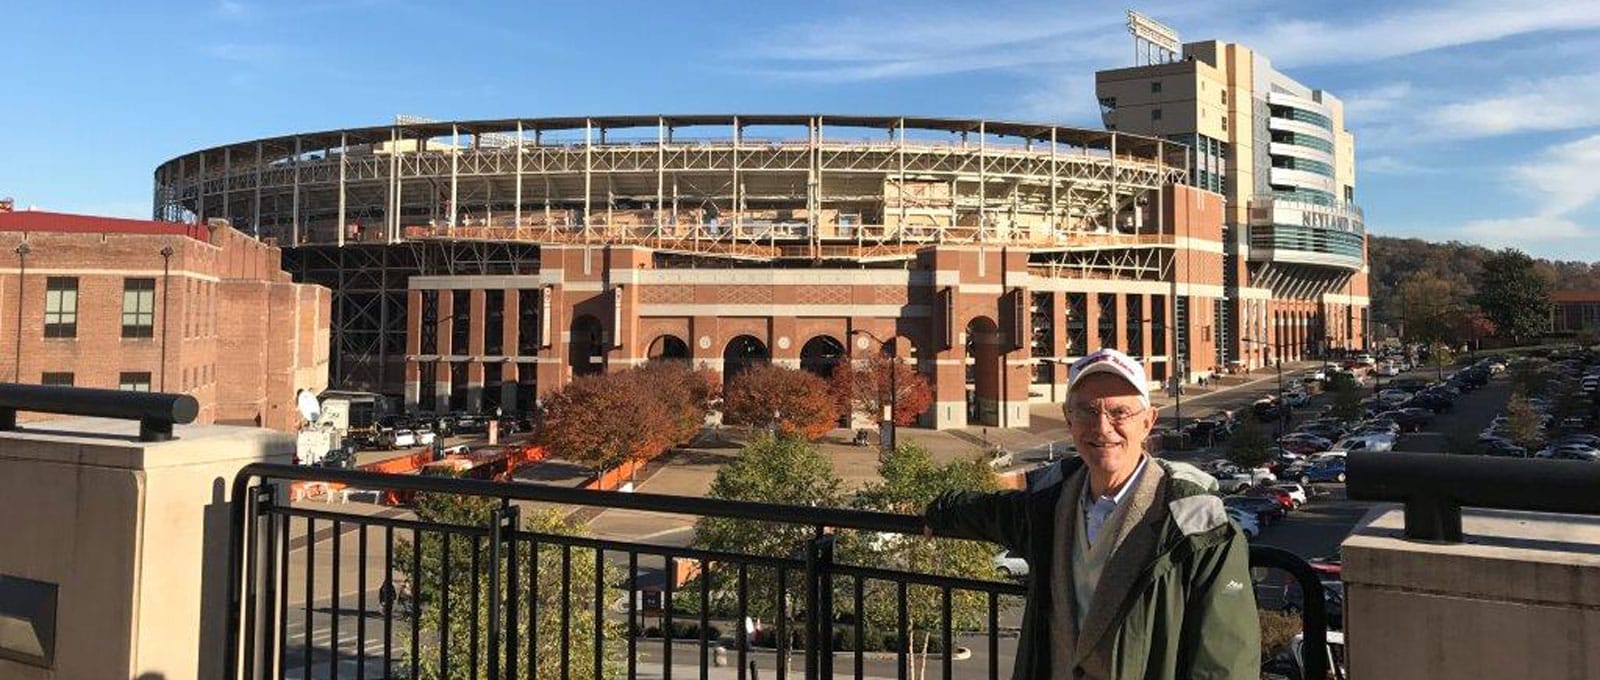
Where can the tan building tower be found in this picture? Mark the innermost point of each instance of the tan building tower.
(1295, 242)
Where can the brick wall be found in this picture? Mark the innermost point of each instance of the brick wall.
(225, 323)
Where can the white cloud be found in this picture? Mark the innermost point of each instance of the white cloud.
(888, 46)
(1564, 178)
(1557, 103)
(1559, 182)
(1442, 25)
(1391, 165)
(1378, 100)
(1520, 231)
(1067, 99)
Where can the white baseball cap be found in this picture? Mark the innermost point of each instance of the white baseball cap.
(1113, 362)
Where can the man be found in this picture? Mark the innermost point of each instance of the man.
(1136, 571)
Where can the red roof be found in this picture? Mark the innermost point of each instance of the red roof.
(34, 220)
(1575, 296)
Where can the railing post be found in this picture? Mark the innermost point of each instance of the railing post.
(265, 498)
(507, 520)
(498, 533)
(819, 605)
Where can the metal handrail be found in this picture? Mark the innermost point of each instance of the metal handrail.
(1434, 489)
(156, 412)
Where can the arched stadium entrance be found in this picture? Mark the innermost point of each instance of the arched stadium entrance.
(668, 348)
(584, 352)
(983, 372)
(742, 352)
(821, 355)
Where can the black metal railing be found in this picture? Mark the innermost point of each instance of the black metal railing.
(156, 412)
(481, 596)
(1435, 488)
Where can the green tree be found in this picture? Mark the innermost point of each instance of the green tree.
(1249, 446)
(1514, 295)
(422, 594)
(1346, 397)
(782, 470)
(912, 480)
(1426, 303)
(1523, 422)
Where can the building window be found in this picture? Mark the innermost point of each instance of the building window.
(1224, 97)
(1155, 87)
(1155, 114)
(494, 322)
(1224, 123)
(57, 379)
(134, 382)
(61, 307)
(138, 308)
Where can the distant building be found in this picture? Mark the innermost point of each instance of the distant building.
(1574, 310)
(159, 306)
(1295, 261)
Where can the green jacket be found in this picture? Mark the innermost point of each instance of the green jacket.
(1175, 599)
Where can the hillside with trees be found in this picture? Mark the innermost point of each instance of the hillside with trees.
(1410, 276)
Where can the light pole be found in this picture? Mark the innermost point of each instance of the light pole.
(887, 443)
(1278, 361)
(22, 278)
(166, 286)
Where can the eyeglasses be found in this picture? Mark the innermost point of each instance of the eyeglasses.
(1089, 414)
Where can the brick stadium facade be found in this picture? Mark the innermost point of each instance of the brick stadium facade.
(480, 264)
(216, 318)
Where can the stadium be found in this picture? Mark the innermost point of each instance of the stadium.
(480, 264)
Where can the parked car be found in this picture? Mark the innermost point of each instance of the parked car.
(1580, 438)
(1010, 566)
(1283, 497)
(1246, 521)
(1297, 492)
(1370, 443)
(1237, 480)
(1266, 510)
(1331, 471)
(400, 439)
(1304, 443)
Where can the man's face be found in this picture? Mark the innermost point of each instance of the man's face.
(1102, 442)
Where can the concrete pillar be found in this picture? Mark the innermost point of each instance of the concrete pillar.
(1519, 599)
(1058, 346)
(552, 367)
(134, 536)
(477, 301)
(443, 339)
(413, 375)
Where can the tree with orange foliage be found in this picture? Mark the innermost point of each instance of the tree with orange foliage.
(865, 389)
(791, 401)
(605, 420)
(686, 392)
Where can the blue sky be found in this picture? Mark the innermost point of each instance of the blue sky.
(1475, 121)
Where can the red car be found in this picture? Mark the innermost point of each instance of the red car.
(1282, 497)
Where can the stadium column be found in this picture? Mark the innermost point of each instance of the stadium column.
(786, 343)
(1058, 344)
(511, 325)
(476, 299)
(622, 273)
(950, 371)
(1016, 356)
(446, 313)
(413, 349)
(551, 368)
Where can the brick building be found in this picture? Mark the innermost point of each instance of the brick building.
(480, 264)
(140, 305)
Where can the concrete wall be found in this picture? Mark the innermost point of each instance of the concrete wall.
(135, 535)
(1519, 599)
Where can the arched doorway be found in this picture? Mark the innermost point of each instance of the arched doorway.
(668, 348)
(983, 372)
(821, 354)
(585, 354)
(742, 352)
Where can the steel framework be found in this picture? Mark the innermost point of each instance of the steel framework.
(640, 180)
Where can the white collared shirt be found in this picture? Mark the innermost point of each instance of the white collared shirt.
(1097, 510)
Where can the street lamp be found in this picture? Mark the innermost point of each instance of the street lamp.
(22, 274)
(887, 443)
(1282, 414)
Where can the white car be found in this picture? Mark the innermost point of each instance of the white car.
(1235, 480)
(426, 437)
(1371, 443)
(1010, 565)
(1297, 493)
(1388, 369)
(1365, 359)
(1246, 522)
(402, 439)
